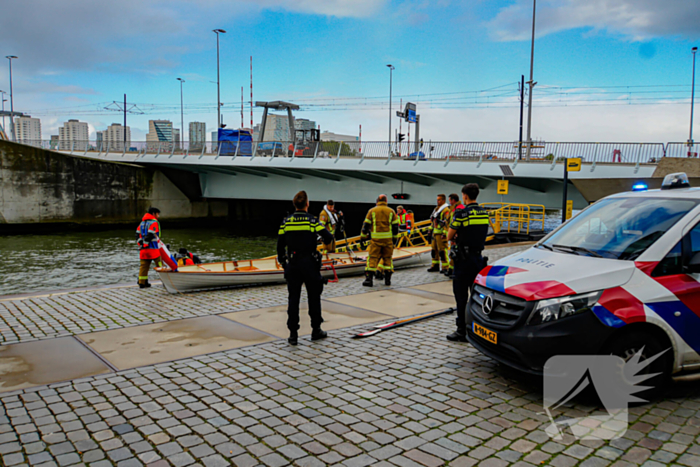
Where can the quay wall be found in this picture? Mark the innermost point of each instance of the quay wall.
(38, 186)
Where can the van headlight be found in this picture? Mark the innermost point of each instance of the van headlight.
(558, 308)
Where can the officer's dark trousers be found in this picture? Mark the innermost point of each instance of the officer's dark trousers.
(304, 271)
(465, 272)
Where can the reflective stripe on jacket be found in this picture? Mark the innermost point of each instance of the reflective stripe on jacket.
(381, 222)
(440, 218)
(149, 224)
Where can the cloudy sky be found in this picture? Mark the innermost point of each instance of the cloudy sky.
(606, 70)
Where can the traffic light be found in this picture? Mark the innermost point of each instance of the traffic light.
(401, 137)
(400, 196)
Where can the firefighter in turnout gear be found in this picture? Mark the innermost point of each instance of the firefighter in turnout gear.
(455, 205)
(439, 220)
(381, 226)
(469, 229)
(297, 253)
(329, 219)
(147, 235)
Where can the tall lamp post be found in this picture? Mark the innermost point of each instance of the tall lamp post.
(218, 86)
(692, 100)
(2, 98)
(531, 83)
(391, 79)
(182, 118)
(12, 101)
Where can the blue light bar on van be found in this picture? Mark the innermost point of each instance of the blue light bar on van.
(640, 187)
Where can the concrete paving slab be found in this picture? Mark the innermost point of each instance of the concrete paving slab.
(444, 287)
(440, 297)
(157, 343)
(273, 320)
(44, 362)
(392, 303)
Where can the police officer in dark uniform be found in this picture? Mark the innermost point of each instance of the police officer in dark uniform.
(469, 228)
(297, 253)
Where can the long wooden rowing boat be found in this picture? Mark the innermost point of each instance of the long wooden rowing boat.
(269, 271)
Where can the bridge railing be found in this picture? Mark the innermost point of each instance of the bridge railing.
(540, 151)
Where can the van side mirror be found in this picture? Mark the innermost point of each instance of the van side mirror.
(693, 266)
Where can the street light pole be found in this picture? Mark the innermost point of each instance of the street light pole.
(391, 79)
(218, 85)
(12, 100)
(182, 118)
(531, 83)
(2, 98)
(692, 100)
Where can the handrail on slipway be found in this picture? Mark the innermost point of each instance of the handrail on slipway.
(541, 151)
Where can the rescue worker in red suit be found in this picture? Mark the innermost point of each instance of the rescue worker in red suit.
(185, 258)
(147, 235)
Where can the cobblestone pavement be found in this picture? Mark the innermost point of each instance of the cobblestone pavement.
(404, 398)
(41, 317)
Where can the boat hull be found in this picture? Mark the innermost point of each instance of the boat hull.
(190, 279)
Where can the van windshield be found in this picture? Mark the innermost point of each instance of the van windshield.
(620, 228)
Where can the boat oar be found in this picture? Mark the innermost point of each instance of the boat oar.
(402, 322)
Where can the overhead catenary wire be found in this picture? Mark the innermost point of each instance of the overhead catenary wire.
(495, 97)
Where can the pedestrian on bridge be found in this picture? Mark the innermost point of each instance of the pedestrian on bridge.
(297, 253)
(469, 229)
(147, 235)
(381, 226)
(439, 223)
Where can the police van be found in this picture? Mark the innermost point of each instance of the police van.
(622, 277)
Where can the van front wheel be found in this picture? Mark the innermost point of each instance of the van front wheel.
(649, 346)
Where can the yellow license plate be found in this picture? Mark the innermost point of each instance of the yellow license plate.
(484, 333)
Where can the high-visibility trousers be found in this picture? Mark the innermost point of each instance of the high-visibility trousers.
(329, 247)
(380, 250)
(144, 267)
(439, 251)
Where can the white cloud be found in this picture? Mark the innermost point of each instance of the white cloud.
(339, 8)
(636, 19)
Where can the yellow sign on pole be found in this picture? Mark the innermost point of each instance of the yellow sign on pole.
(573, 164)
(569, 209)
(502, 187)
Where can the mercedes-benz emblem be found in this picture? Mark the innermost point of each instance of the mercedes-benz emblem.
(487, 304)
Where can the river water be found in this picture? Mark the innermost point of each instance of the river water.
(65, 260)
(81, 259)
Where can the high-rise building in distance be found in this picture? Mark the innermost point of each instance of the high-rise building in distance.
(304, 124)
(113, 137)
(160, 135)
(198, 135)
(28, 130)
(176, 138)
(73, 135)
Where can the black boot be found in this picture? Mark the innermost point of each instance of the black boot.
(369, 276)
(318, 334)
(434, 268)
(292, 338)
(387, 278)
(144, 286)
(379, 275)
(460, 335)
(449, 273)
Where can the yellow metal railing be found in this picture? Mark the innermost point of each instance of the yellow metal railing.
(418, 236)
(515, 217)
